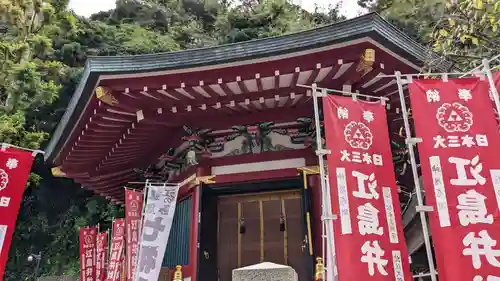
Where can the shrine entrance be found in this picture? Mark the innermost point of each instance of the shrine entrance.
(239, 230)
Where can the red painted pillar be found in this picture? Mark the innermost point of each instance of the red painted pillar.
(193, 257)
(193, 248)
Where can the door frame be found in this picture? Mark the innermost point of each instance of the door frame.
(289, 184)
(307, 215)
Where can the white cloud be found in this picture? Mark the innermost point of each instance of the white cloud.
(86, 8)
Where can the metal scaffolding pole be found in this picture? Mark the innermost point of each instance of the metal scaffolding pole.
(410, 141)
(491, 81)
(327, 216)
(478, 68)
(422, 275)
(332, 273)
(34, 152)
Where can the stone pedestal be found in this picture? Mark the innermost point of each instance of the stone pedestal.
(266, 271)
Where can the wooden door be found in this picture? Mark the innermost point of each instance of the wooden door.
(265, 227)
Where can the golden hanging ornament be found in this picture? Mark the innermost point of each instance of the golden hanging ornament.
(178, 273)
(320, 269)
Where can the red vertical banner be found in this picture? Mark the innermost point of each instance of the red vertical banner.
(133, 211)
(116, 250)
(461, 173)
(15, 166)
(369, 237)
(101, 253)
(88, 254)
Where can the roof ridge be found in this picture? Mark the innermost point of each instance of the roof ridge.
(255, 41)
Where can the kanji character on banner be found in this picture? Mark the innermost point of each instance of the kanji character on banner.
(372, 255)
(481, 246)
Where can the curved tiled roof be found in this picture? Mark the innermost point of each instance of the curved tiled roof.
(370, 25)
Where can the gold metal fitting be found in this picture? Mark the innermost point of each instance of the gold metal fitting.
(178, 273)
(320, 269)
(104, 95)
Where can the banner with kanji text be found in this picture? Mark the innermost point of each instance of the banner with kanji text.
(101, 254)
(461, 175)
(116, 250)
(15, 166)
(133, 213)
(88, 253)
(369, 239)
(157, 222)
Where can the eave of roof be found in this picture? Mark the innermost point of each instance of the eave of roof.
(371, 25)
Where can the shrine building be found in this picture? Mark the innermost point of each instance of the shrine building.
(232, 125)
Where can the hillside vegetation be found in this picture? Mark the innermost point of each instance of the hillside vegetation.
(43, 48)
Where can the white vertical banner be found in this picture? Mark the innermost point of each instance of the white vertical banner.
(157, 222)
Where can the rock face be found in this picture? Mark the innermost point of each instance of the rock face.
(266, 271)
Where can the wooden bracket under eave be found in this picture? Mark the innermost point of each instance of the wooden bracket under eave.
(104, 95)
(57, 172)
(205, 180)
(310, 170)
(366, 62)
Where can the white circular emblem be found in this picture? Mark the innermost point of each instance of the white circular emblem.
(4, 179)
(454, 117)
(358, 135)
(88, 239)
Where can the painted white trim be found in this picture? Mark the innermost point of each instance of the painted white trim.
(75, 126)
(260, 60)
(259, 166)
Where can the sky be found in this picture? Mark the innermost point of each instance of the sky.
(88, 7)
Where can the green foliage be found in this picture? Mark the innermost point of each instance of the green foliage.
(464, 31)
(41, 60)
(260, 19)
(468, 31)
(416, 18)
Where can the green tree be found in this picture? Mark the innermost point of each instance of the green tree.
(464, 31)
(468, 31)
(22, 84)
(42, 55)
(260, 19)
(416, 18)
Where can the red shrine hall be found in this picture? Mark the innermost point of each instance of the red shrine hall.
(232, 125)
